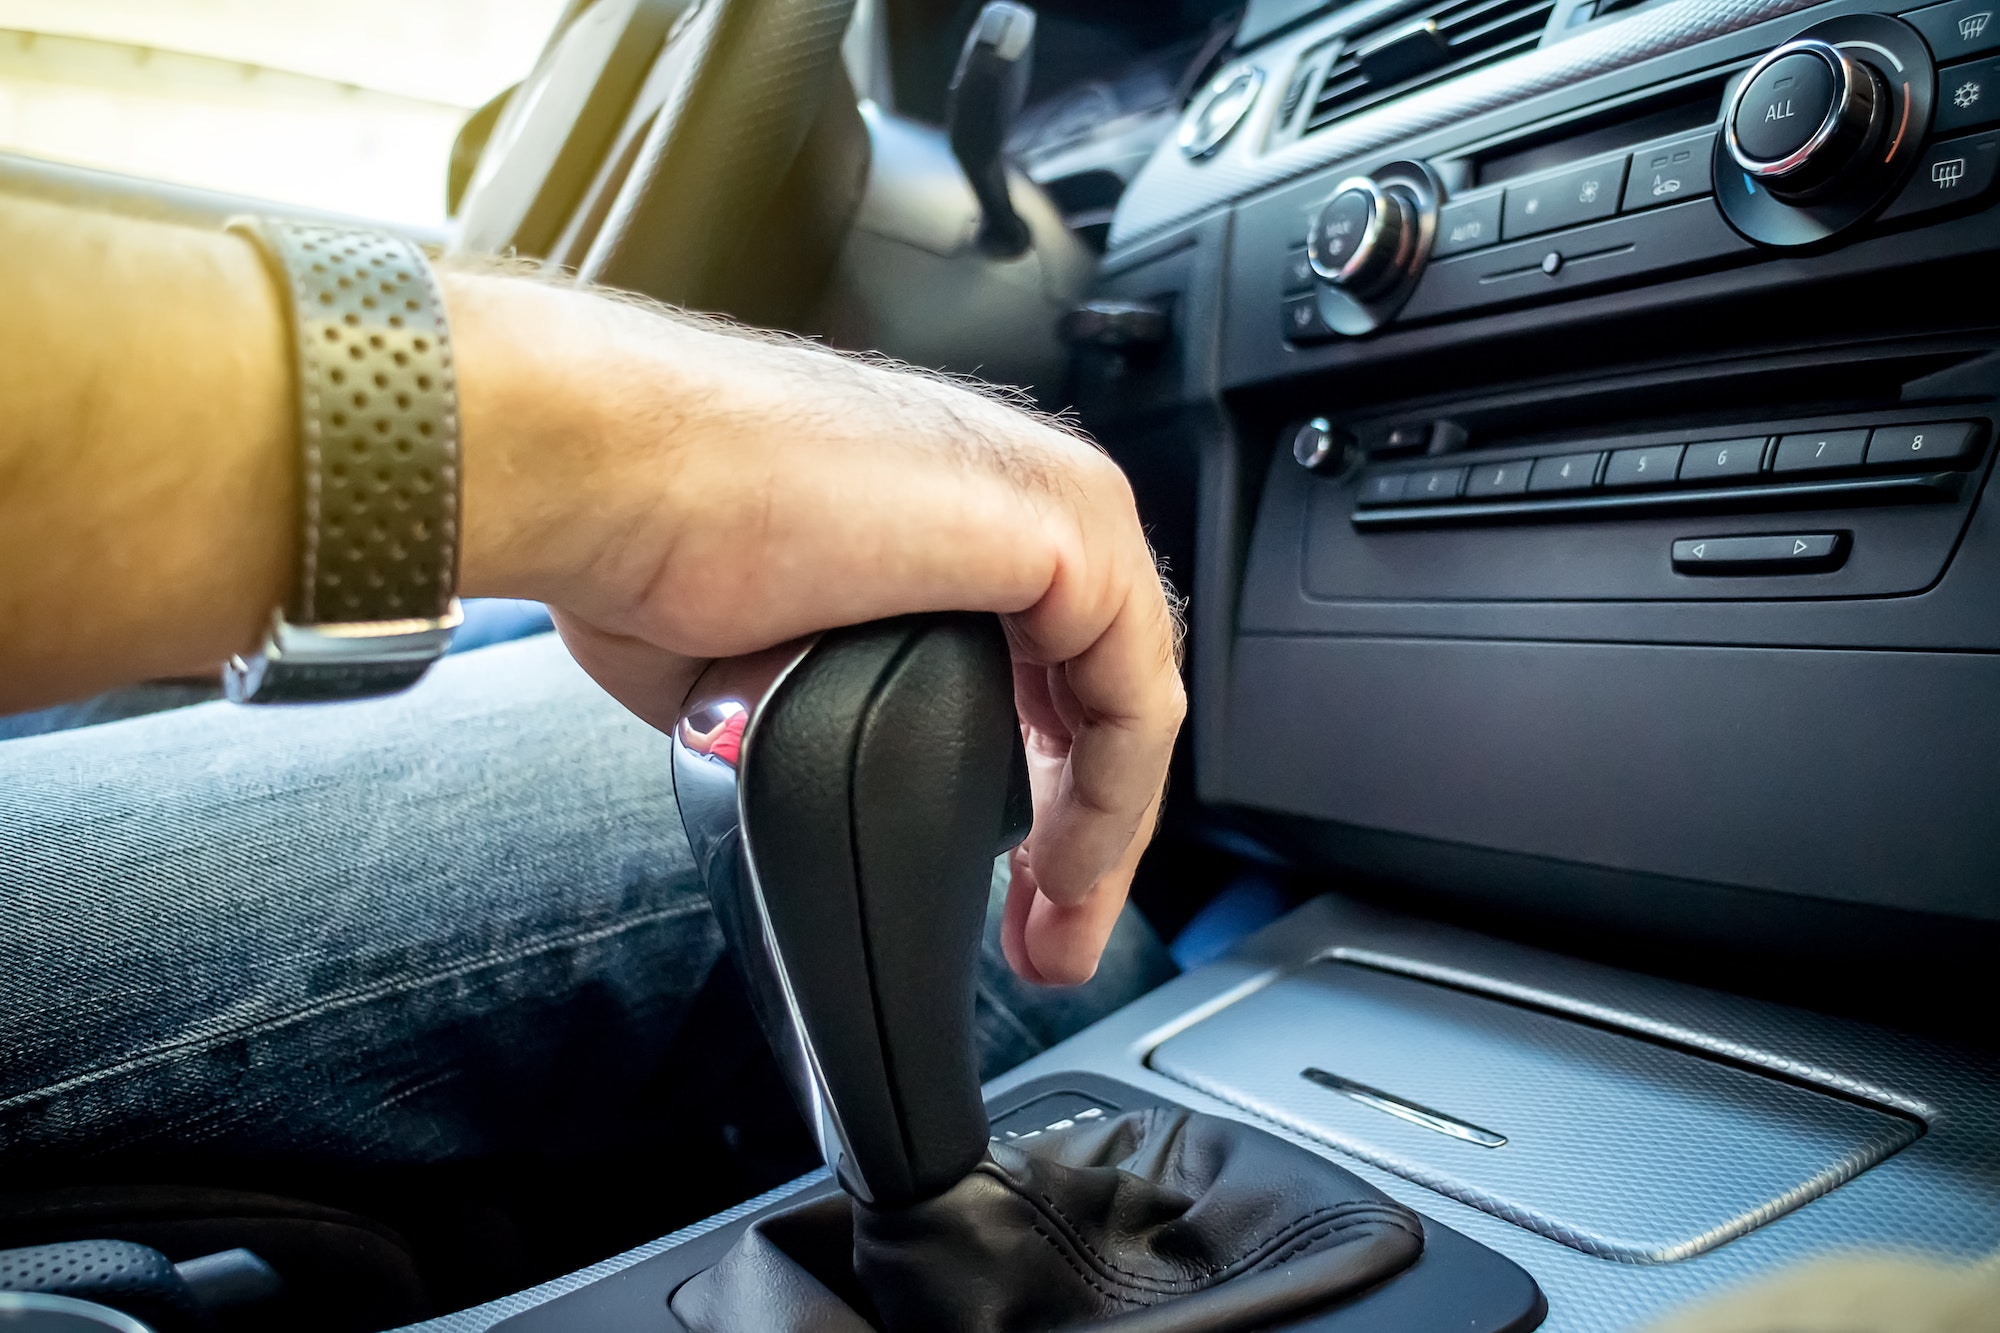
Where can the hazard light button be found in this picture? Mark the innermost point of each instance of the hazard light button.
(1785, 553)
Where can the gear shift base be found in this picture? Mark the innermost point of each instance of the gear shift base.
(799, 1252)
(1161, 1221)
(1456, 1283)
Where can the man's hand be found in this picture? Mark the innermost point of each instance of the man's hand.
(676, 491)
(679, 492)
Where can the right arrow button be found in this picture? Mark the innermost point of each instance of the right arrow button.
(1779, 553)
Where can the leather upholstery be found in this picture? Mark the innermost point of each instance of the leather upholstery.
(1161, 1219)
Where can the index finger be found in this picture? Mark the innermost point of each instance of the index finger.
(1118, 702)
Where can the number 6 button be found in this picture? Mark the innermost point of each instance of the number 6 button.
(1941, 443)
(1722, 458)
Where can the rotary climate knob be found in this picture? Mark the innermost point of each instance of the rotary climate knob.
(1361, 239)
(1806, 118)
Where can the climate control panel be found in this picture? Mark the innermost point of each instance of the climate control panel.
(1854, 123)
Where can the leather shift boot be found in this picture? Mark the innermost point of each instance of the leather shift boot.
(1157, 1221)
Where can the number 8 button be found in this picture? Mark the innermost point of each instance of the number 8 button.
(1935, 444)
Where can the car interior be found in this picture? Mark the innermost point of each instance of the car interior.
(1567, 422)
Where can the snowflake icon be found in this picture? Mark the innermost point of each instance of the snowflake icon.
(1966, 94)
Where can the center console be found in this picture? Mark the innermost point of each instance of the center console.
(1591, 431)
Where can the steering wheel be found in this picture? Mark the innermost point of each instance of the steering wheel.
(667, 175)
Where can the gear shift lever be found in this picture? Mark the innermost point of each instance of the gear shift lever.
(845, 801)
(987, 90)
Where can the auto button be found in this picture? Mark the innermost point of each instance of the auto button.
(1467, 224)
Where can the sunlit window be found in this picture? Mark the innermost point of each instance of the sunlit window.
(348, 107)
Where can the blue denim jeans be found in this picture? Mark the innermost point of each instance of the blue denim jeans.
(454, 923)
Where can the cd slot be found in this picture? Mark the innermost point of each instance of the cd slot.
(1936, 487)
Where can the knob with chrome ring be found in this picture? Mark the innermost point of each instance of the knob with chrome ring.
(1360, 240)
(1820, 133)
(1805, 117)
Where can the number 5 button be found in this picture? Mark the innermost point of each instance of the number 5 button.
(1941, 443)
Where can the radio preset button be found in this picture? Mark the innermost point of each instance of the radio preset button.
(1581, 194)
(1382, 488)
(1467, 224)
(1437, 485)
(1492, 481)
(1568, 472)
(1942, 443)
(1720, 459)
(1666, 173)
(1654, 466)
(1820, 451)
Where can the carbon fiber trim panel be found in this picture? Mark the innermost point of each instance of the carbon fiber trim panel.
(1938, 1197)
(1170, 190)
(1683, 1153)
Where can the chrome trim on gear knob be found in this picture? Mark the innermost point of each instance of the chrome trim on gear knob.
(710, 745)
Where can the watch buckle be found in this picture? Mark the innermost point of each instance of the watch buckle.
(339, 659)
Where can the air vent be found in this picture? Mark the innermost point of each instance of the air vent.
(1459, 35)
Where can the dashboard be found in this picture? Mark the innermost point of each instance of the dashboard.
(1589, 408)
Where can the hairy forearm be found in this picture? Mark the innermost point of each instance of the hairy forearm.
(148, 454)
(145, 491)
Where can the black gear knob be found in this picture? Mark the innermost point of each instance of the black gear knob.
(845, 802)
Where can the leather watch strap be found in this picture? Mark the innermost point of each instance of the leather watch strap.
(372, 594)
(378, 424)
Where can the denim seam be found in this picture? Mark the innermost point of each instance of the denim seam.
(335, 1003)
(1006, 1011)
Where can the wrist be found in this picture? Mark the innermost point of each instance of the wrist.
(571, 413)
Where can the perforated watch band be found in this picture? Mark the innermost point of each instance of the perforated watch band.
(372, 594)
